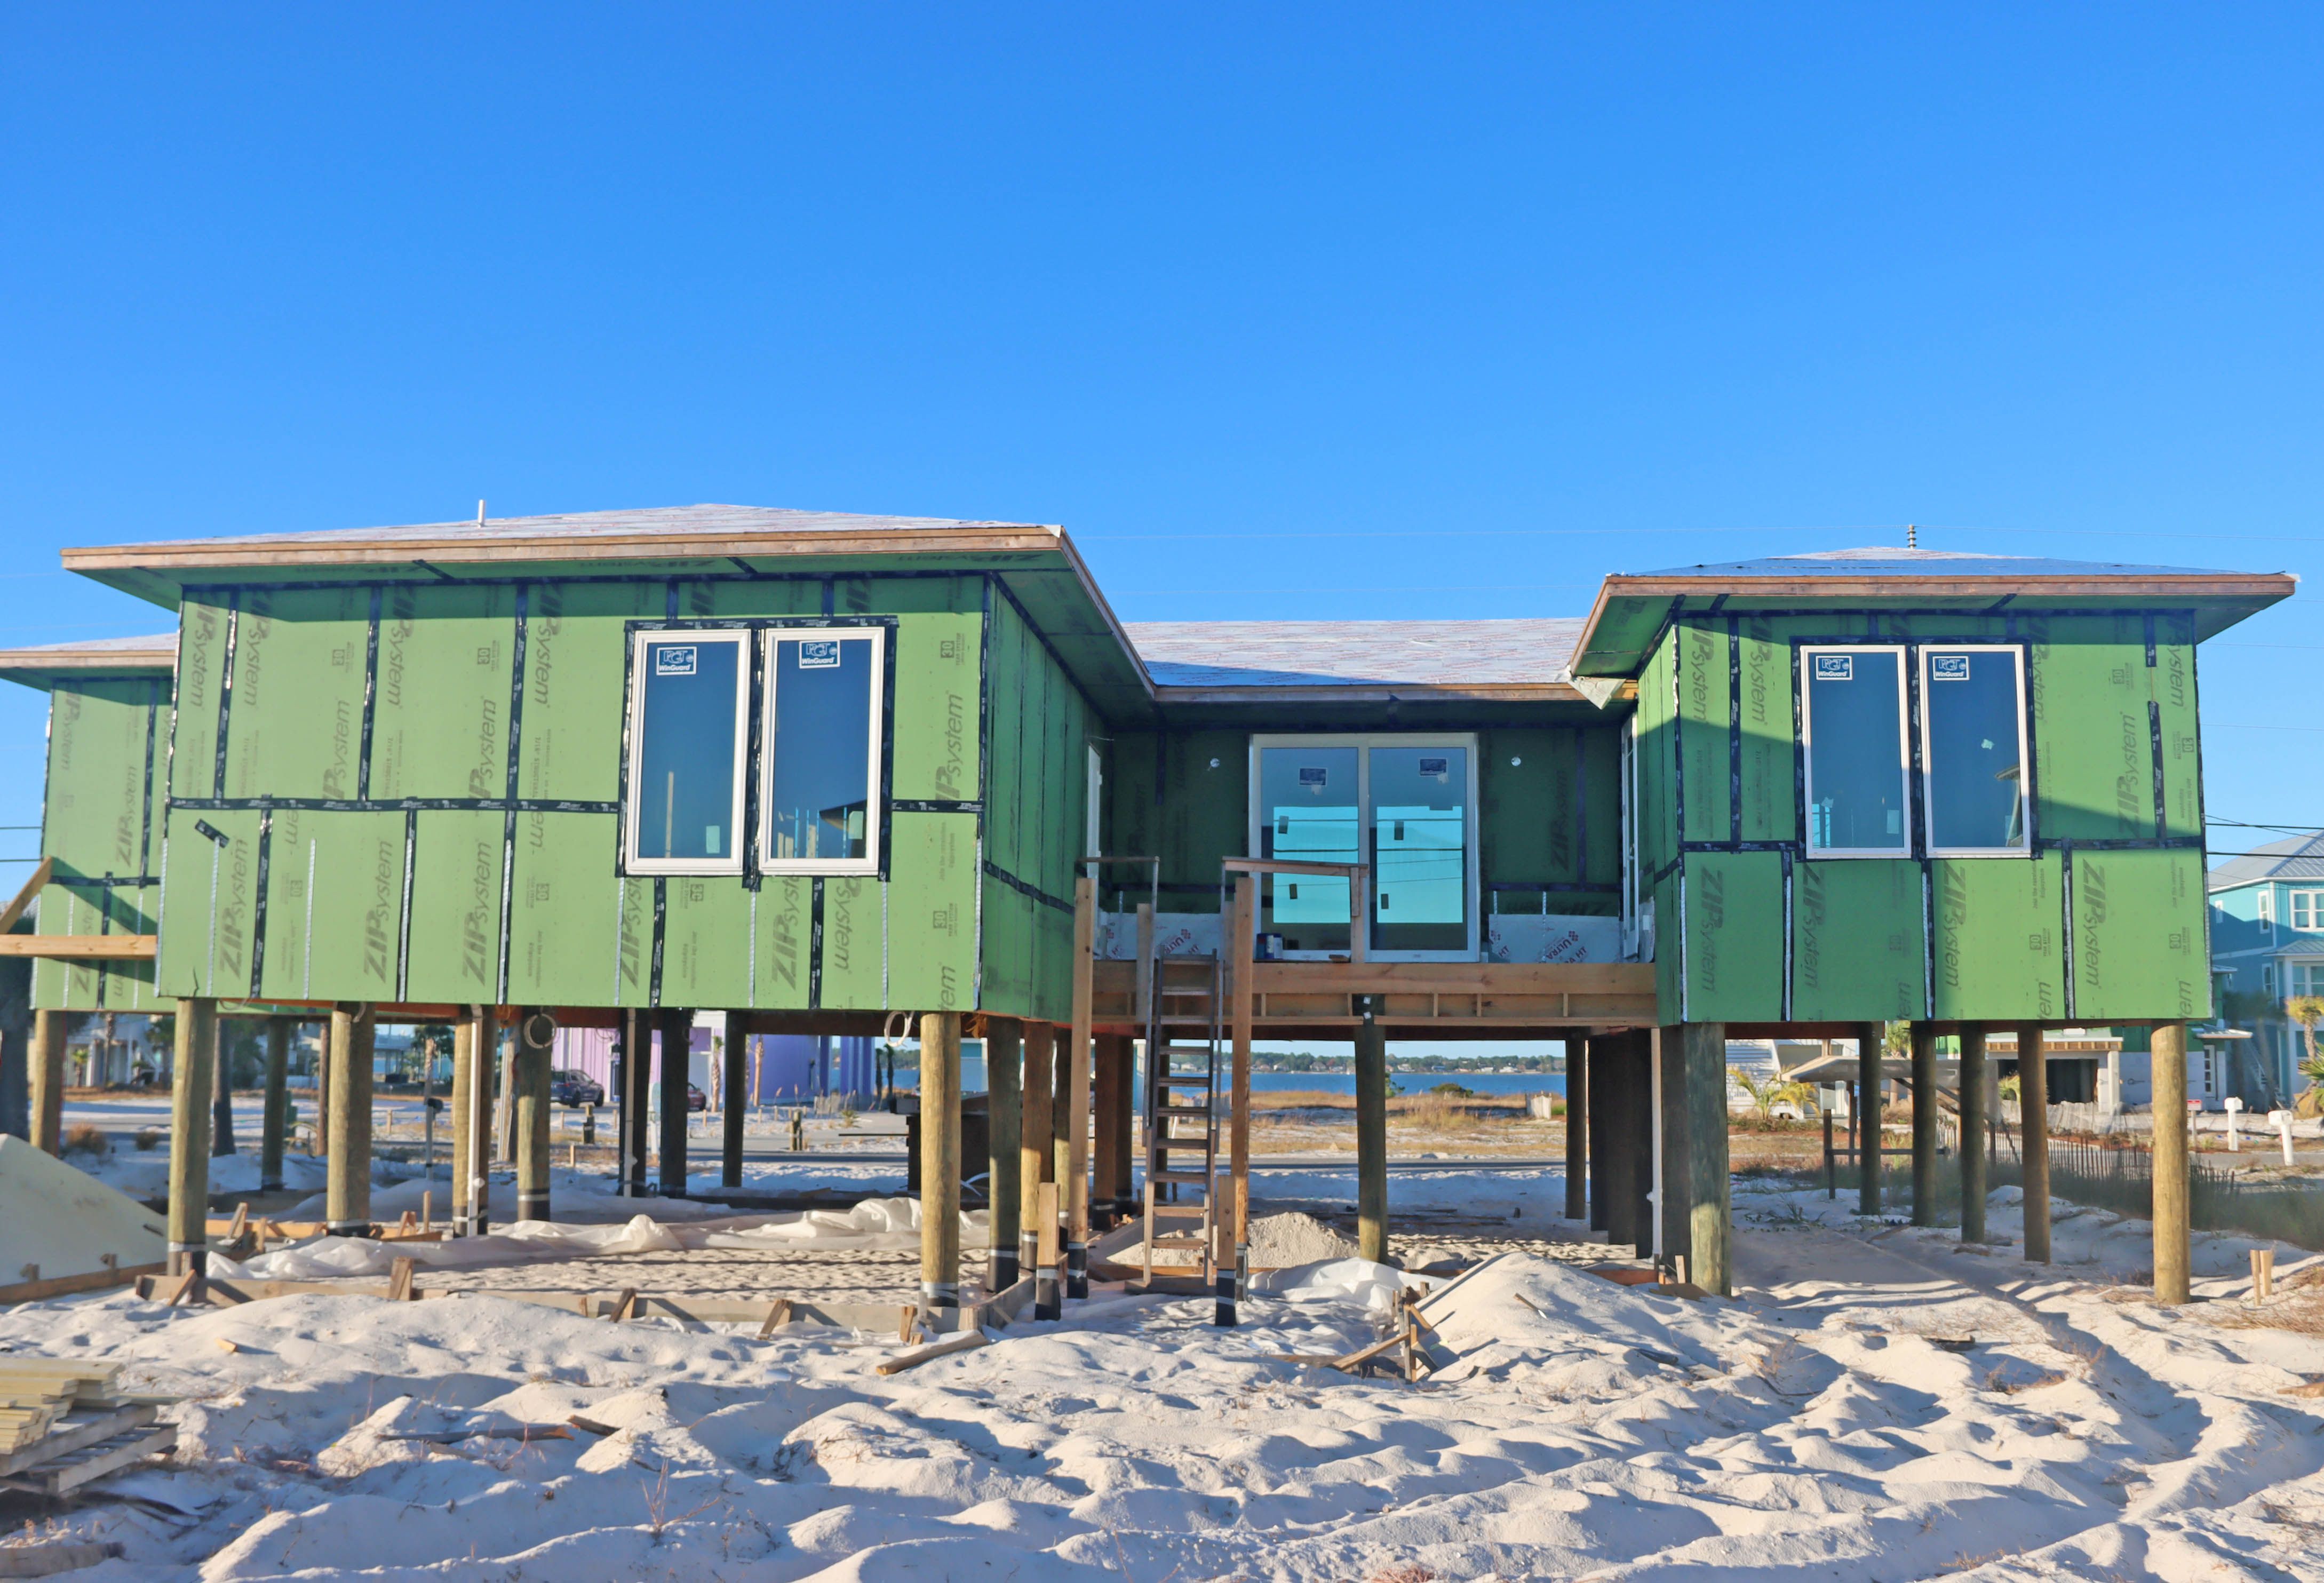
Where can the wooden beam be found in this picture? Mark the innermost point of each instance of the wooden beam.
(32, 887)
(82, 947)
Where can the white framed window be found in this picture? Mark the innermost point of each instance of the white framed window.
(1852, 728)
(2266, 902)
(2307, 978)
(1974, 796)
(689, 698)
(1404, 805)
(2308, 910)
(820, 797)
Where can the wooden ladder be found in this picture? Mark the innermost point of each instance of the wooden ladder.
(1183, 1099)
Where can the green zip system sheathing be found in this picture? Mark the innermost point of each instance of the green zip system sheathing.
(1549, 825)
(2104, 921)
(440, 771)
(107, 740)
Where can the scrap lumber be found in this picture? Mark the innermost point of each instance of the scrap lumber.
(968, 1342)
(46, 1561)
(779, 1314)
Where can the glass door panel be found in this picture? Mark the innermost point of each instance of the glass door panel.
(1419, 848)
(1308, 803)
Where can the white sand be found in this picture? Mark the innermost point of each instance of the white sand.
(1811, 1427)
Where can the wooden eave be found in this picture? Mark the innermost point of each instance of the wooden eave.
(1023, 555)
(1384, 693)
(42, 667)
(2234, 596)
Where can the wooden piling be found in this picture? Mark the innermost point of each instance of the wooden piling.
(2033, 1131)
(274, 1111)
(474, 1168)
(1577, 1127)
(1105, 1144)
(1620, 1163)
(190, 1135)
(1868, 1037)
(1695, 1201)
(1639, 1045)
(536, 1042)
(1235, 1232)
(940, 1160)
(637, 1098)
(1598, 1078)
(2173, 1186)
(221, 1086)
(1371, 1134)
(346, 1182)
(1976, 1084)
(464, 1034)
(734, 1096)
(48, 1082)
(1076, 1069)
(1924, 1125)
(1037, 1144)
(1004, 1060)
(676, 1026)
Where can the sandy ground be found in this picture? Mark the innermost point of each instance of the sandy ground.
(1875, 1404)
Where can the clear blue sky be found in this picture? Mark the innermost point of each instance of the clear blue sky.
(1345, 311)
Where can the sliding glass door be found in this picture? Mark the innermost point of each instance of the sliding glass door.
(1404, 805)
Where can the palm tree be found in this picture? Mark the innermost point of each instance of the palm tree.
(2308, 1010)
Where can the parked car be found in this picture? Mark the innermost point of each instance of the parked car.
(574, 1088)
(696, 1100)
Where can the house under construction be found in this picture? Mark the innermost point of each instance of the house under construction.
(830, 773)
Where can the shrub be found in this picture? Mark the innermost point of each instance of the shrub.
(86, 1139)
(148, 1138)
(1454, 1089)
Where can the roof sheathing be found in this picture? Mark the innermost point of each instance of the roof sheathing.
(1630, 611)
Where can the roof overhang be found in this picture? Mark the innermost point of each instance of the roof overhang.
(45, 667)
(1631, 612)
(1037, 565)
